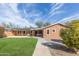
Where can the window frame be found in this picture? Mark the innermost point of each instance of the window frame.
(53, 30)
(47, 31)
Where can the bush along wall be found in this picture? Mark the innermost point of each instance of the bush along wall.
(70, 36)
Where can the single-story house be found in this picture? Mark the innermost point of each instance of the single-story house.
(16, 32)
(50, 32)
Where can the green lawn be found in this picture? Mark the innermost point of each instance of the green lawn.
(17, 46)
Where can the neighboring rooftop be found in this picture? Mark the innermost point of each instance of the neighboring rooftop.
(10, 29)
(37, 29)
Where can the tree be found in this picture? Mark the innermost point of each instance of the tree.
(46, 23)
(5, 25)
(70, 35)
(41, 23)
(8, 25)
(74, 23)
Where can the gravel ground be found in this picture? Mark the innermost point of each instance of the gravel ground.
(57, 49)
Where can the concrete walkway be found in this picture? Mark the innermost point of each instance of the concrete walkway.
(40, 49)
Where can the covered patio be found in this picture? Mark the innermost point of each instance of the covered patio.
(36, 32)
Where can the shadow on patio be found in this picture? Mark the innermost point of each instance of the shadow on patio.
(58, 46)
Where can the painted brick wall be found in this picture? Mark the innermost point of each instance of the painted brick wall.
(8, 33)
(54, 32)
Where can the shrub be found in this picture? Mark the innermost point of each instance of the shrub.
(1, 32)
(70, 35)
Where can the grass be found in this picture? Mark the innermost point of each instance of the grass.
(17, 46)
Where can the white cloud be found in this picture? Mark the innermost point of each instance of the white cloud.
(55, 10)
(28, 9)
(73, 17)
(56, 13)
(10, 13)
(31, 13)
(55, 7)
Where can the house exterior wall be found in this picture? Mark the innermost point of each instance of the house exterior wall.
(8, 33)
(54, 32)
(20, 32)
(16, 33)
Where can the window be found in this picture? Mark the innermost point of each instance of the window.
(53, 30)
(47, 31)
(31, 31)
(24, 32)
(18, 32)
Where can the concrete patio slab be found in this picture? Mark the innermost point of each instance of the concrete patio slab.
(18, 37)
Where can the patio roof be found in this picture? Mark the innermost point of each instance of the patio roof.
(37, 29)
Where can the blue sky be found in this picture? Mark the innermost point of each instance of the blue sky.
(27, 14)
